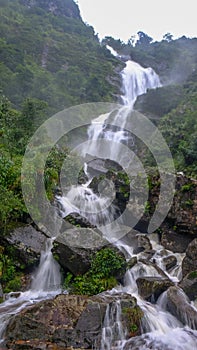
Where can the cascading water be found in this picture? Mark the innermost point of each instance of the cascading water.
(46, 283)
(113, 332)
(161, 330)
(136, 80)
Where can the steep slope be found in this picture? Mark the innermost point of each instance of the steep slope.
(48, 53)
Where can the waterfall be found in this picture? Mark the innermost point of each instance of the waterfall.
(136, 80)
(161, 330)
(47, 277)
(46, 283)
(113, 332)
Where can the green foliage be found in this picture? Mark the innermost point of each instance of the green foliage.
(9, 276)
(192, 275)
(105, 266)
(14, 285)
(179, 129)
(107, 263)
(52, 56)
(187, 187)
(133, 318)
(91, 285)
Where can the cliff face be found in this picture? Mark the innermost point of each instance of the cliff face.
(66, 8)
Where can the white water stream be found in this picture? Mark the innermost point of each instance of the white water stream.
(162, 331)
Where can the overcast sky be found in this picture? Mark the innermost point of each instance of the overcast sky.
(123, 18)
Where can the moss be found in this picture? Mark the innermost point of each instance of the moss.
(192, 275)
(187, 187)
(133, 318)
(13, 286)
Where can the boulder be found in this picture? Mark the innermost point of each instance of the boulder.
(175, 241)
(178, 304)
(184, 208)
(75, 247)
(150, 288)
(67, 321)
(189, 263)
(189, 285)
(169, 262)
(28, 243)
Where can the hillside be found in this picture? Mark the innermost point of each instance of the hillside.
(48, 53)
(51, 60)
(173, 106)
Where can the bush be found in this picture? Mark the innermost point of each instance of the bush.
(105, 268)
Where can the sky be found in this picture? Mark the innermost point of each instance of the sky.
(123, 18)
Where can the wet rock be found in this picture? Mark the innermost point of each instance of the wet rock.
(75, 247)
(28, 243)
(150, 288)
(1, 291)
(144, 242)
(41, 320)
(189, 285)
(178, 304)
(67, 321)
(175, 242)
(143, 245)
(190, 262)
(170, 262)
(184, 208)
(132, 262)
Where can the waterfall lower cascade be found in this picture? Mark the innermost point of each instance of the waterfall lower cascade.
(160, 329)
(46, 284)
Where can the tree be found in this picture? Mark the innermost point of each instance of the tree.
(168, 37)
(144, 39)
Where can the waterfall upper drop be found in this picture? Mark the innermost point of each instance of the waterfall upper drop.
(136, 81)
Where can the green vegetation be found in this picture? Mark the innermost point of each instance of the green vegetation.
(133, 319)
(173, 107)
(50, 60)
(106, 266)
(53, 57)
(192, 275)
(9, 277)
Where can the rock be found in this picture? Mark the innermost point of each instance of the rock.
(169, 261)
(178, 304)
(28, 243)
(189, 263)
(132, 262)
(42, 320)
(150, 288)
(175, 242)
(184, 208)
(144, 242)
(58, 8)
(67, 321)
(1, 291)
(75, 247)
(189, 285)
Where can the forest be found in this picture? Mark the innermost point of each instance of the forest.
(51, 62)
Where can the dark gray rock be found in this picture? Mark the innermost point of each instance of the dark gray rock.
(189, 285)
(190, 261)
(28, 243)
(69, 321)
(175, 242)
(170, 261)
(151, 288)
(178, 304)
(75, 247)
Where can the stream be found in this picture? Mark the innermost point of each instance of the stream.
(161, 330)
